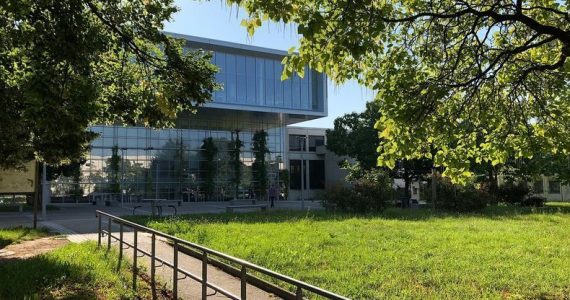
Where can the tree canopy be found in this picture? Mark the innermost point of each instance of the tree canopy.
(354, 135)
(457, 80)
(68, 64)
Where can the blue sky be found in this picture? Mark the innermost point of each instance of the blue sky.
(213, 19)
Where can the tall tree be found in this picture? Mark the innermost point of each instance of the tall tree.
(209, 151)
(354, 135)
(259, 167)
(67, 64)
(476, 80)
(235, 161)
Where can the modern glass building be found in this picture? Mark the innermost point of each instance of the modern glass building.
(174, 164)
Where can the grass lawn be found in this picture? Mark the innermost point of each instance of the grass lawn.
(502, 252)
(18, 234)
(74, 271)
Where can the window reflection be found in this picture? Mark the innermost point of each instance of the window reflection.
(257, 81)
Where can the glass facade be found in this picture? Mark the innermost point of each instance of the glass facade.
(142, 162)
(297, 142)
(171, 163)
(256, 81)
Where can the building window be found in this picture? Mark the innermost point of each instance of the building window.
(297, 142)
(295, 173)
(554, 187)
(538, 187)
(317, 174)
(315, 141)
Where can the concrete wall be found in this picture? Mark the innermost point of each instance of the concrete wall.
(333, 173)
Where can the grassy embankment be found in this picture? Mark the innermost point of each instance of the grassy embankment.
(502, 252)
(74, 271)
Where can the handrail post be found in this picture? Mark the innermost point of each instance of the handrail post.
(243, 283)
(175, 271)
(99, 233)
(109, 234)
(299, 294)
(135, 256)
(120, 243)
(153, 265)
(204, 275)
(153, 262)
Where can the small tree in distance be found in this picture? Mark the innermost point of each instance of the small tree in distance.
(260, 150)
(209, 151)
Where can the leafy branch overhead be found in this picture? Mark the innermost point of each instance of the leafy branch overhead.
(458, 81)
(66, 65)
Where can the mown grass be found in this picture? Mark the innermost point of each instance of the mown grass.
(502, 252)
(14, 235)
(74, 271)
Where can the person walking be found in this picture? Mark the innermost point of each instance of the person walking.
(272, 194)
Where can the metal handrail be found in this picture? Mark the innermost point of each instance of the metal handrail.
(300, 285)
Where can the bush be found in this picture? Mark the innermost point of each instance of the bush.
(513, 193)
(461, 198)
(369, 193)
(534, 201)
(337, 197)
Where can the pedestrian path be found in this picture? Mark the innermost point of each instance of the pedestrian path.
(83, 229)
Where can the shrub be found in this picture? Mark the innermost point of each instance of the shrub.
(461, 198)
(534, 201)
(368, 193)
(368, 196)
(513, 193)
(337, 196)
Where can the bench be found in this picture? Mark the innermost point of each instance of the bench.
(158, 204)
(230, 208)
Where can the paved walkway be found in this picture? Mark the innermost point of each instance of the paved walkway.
(78, 222)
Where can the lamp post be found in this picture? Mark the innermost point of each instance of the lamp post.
(303, 146)
(122, 189)
(278, 161)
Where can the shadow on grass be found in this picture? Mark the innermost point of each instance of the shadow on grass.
(4, 242)
(42, 277)
(423, 214)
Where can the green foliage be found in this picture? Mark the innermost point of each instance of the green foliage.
(235, 160)
(18, 234)
(553, 165)
(456, 81)
(209, 152)
(513, 193)
(354, 135)
(368, 193)
(69, 64)
(113, 170)
(500, 252)
(259, 167)
(534, 201)
(461, 198)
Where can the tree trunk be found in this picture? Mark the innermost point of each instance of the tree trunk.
(407, 183)
(433, 188)
(36, 193)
